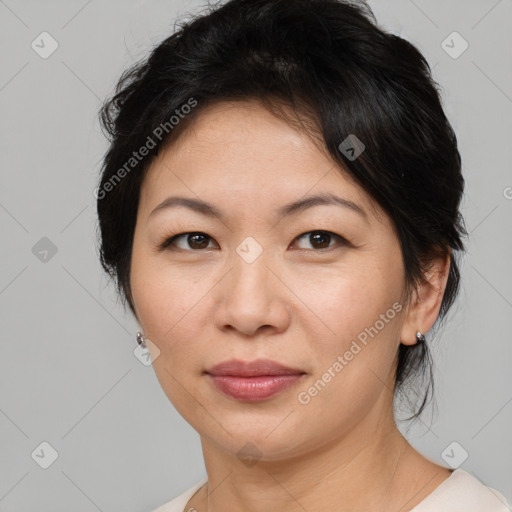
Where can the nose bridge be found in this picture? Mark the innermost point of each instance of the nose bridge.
(250, 278)
(252, 296)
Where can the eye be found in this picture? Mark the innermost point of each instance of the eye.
(198, 240)
(195, 240)
(321, 239)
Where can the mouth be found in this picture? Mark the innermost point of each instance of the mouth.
(256, 368)
(253, 380)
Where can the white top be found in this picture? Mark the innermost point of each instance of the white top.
(460, 492)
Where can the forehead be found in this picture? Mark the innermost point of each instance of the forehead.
(241, 149)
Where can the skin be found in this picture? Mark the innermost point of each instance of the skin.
(200, 303)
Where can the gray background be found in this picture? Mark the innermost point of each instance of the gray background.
(68, 374)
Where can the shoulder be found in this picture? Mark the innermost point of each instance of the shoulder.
(178, 504)
(462, 492)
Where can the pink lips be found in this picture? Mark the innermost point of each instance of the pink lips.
(254, 380)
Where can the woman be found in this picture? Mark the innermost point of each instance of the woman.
(279, 206)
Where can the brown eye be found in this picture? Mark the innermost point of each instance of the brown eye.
(320, 239)
(195, 241)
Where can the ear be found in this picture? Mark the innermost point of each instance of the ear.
(426, 301)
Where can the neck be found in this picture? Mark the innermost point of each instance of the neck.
(370, 466)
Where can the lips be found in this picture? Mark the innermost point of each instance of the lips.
(256, 368)
(253, 381)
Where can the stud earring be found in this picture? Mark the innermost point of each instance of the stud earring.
(141, 339)
(420, 337)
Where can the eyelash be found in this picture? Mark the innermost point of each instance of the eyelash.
(168, 241)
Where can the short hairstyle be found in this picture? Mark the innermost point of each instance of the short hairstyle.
(326, 67)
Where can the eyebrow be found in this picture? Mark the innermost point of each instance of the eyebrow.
(295, 207)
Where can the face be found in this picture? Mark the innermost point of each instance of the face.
(316, 287)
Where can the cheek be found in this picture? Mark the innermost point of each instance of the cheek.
(168, 305)
(163, 297)
(354, 368)
(343, 301)
(356, 331)
(172, 306)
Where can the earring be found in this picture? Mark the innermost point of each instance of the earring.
(141, 339)
(420, 337)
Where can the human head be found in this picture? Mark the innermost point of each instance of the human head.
(323, 67)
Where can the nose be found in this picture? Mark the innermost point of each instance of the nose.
(253, 298)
